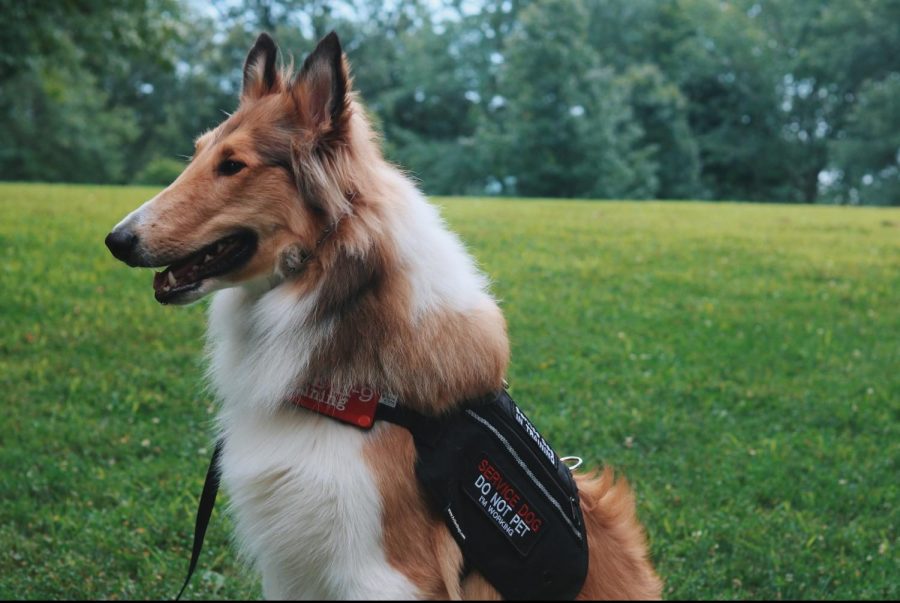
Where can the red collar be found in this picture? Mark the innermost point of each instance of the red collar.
(356, 405)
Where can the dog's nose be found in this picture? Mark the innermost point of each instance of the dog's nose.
(122, 243)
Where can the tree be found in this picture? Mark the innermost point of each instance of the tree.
(830, 54)
(570, 132)
(58, 127)
(720, 58)
(430, 113)
(64, 69)
(868, 148)
(662, 112)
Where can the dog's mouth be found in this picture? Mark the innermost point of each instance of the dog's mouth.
(219, 258)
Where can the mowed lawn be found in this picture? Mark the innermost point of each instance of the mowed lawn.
(739, 363)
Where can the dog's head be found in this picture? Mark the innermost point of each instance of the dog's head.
(262, 189)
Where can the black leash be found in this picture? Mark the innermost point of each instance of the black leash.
(204, 511)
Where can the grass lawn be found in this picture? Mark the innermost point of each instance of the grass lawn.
(739, 363)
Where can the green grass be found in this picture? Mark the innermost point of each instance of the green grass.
(739, 363)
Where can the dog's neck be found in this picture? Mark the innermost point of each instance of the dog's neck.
(394, 301)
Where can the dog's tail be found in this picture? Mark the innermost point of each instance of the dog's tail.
(619, 567)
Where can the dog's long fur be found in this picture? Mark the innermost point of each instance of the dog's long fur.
(390, 299)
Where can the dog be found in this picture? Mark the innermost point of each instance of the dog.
(329, 265)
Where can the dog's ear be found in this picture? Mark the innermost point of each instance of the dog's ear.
(322, 88)
(260, 74)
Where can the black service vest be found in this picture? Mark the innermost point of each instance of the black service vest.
(509, 501)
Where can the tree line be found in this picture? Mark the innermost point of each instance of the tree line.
(763, 100)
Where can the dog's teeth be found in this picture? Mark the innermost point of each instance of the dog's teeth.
(172, 280)
(207, 258)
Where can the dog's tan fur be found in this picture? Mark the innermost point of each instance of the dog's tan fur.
(297, 140)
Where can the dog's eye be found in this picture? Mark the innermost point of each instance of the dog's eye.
(230, 167)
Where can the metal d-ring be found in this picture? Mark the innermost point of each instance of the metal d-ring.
(578, 462)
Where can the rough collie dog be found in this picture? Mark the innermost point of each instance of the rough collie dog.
(331, 266)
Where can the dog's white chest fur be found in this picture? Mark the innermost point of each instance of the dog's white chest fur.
(306, 507)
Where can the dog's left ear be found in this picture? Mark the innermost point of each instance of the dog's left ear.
(322, 88)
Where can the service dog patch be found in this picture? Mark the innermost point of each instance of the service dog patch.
(503, 502)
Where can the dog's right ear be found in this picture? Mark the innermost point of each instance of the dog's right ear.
(321, 88)
(260, 75)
